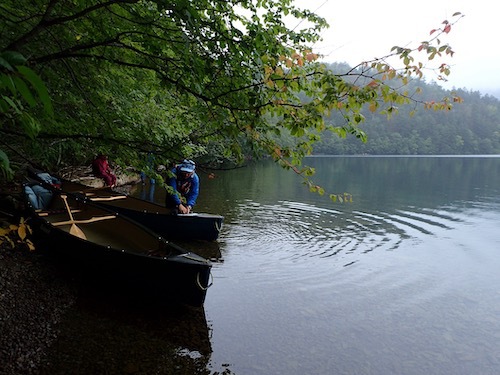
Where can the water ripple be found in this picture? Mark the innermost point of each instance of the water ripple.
(294, 230)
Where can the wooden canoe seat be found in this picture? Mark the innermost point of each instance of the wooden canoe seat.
(54, 212)
(86, 221)
(108, 198)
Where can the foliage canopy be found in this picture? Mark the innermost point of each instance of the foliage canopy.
(207, 79)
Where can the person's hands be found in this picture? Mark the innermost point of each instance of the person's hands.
(183, 209)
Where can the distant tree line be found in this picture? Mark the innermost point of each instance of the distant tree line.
(470, 127)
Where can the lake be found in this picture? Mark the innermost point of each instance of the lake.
(403, 280)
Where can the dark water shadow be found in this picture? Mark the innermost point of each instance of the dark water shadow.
(112, 332)
(207, 249)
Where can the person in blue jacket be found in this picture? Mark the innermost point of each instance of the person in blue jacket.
(185, 186)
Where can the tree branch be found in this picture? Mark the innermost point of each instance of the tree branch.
(45, 22)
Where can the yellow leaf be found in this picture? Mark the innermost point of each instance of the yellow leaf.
(30, 244)
(21, 231)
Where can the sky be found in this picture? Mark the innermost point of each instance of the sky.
(361, 30)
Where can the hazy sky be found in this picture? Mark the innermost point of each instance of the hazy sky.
(363, 29)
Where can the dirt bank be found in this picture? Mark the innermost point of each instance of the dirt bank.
(32, 301)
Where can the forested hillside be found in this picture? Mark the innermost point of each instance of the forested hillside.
(470, 127)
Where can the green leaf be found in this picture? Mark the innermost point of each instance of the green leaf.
(12, 104)
(39, 86)
(31, 126)
(5, 64)
(24, 91)
(6, 80)
(5, 166)
(13, 57)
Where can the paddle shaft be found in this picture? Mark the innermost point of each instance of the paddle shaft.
(65, 200)
(74, 230)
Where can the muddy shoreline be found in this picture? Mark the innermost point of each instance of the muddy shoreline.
(33, 301)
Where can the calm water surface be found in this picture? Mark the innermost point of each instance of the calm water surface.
(403, 280)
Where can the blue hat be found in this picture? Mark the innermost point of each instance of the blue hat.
(187, 166)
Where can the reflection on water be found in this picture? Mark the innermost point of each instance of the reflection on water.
(403, 280)
(108, 332)
(147, 193)
(395, 199)
(207, 249)
(325, 232)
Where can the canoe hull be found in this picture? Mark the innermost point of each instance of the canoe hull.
(158, 268)
(201, 226)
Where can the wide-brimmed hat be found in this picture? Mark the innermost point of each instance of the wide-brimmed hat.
(187, 166)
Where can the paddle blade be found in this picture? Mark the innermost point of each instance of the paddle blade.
(75, 231)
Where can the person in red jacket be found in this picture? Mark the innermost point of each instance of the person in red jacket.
(100, 168)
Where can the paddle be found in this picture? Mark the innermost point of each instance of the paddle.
(74, 230)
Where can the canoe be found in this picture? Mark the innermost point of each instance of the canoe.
(158, 218)
(109, 245)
